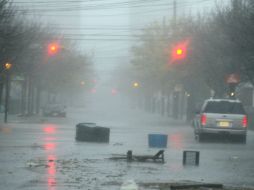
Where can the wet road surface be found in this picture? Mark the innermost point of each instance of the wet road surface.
(46, 155)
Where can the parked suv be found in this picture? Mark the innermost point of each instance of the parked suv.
(221, 116)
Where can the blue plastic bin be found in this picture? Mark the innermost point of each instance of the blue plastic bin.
(157, 140)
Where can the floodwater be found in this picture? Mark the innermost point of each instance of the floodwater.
(46, 156)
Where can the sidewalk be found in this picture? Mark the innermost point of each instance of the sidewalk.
(16, 118)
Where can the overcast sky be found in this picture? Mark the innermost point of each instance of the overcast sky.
(102, 28)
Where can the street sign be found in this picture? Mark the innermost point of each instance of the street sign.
(233, 79)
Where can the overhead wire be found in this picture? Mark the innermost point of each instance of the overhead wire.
(70, 7)
(67, 8)
(137, 4)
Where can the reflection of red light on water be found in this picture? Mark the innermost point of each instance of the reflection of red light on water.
(52, 168)
(51, 182)
(176, 141)
(51, 157)
(51, 165)
(51, 172)
(49, 146)
(50, 139)
(49, 129)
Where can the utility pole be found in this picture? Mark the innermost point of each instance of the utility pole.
(7, 90)
(174, 11)
(6, 109)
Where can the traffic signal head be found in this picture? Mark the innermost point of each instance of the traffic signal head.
(179, 51)
(114, 91)
(135, 84)
(53, 48)
(82, 83)
(7, 66)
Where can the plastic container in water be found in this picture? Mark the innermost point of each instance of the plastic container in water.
(157, 140)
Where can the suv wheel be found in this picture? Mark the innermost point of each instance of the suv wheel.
(200, 137)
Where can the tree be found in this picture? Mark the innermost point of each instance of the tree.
(223, 44)
(24, 44)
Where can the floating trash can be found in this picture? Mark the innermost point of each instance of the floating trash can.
(89, 132)
(157, 140)
(101, 134)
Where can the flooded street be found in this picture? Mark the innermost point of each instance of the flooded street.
(88, 88)
(46, 155)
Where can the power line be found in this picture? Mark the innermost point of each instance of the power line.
(138, 4)
(93, 6)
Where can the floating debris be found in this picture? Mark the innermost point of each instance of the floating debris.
(129, 185)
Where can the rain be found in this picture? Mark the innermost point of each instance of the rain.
(126, 94)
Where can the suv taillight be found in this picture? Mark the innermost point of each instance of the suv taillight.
(203, 119)
(245, 121)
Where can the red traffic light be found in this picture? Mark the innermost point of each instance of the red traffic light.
(179, 51)
(53, 48)
(114, 91)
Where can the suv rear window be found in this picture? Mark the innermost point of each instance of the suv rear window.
(224, 107)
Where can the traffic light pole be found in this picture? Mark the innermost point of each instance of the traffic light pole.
(7, 89)
(175, 11)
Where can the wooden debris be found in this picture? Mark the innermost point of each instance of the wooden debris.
(158, 157)
(189, 186)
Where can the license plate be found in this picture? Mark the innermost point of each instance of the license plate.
(224, 124)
